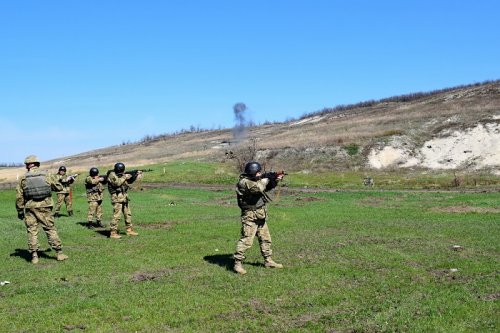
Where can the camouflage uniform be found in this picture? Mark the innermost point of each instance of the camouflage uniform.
(252, 199)
(64, 195)
(36, 206)
(95, 191)
(118, 187)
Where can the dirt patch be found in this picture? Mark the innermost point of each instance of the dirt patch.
(465, 209)
(142, 276)
(258, 306)
(159, 225)
(491, 297)
(308, 199)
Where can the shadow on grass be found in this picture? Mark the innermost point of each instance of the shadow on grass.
(26, 255)
(102, 231)
(223, 260)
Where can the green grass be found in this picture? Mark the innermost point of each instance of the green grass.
(355, 261)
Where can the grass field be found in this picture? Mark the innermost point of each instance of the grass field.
(355, 261)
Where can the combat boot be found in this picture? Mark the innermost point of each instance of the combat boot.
(114, 234)
(238, 267)
(70, 213)
(90, 225)
(131, 232)
(99, 224)
(61, 256)
(34, 257)
(270, 263)
(56, 215)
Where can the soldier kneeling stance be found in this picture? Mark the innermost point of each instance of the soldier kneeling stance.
(252, 198)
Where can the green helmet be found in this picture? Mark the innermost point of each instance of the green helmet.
(31, 159)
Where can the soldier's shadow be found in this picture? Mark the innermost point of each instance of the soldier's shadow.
(100, 231)
(26, 255)
(223, 260)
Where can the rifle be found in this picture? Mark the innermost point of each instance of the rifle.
(135, 174)
(273, 178)
(70, 179)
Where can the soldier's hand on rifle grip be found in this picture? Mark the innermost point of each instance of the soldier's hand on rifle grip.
(20, 215)
(128, 176)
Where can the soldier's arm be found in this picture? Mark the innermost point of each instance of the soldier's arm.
(55, 183)
(93, 180)
(115, 180)
(258, 186)
(19, 197)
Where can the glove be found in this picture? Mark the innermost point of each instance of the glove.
(20, 215)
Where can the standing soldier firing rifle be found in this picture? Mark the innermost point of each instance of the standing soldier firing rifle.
(251, 192)
(95, 188)
(118, 185)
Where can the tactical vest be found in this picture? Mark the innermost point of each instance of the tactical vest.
(120, 189)
(249, 201)
(36, 187)
(92, 188)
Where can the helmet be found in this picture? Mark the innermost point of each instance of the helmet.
(31, 159)
(62, 168)
(93, 172)
(119, 167)
(251, 168)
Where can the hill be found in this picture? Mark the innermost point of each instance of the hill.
(453, 128)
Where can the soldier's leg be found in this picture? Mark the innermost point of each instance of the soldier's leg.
(113, 225)
(127, 214)
(248, 230)
(98, 214)
(32, 229)
(264, 237)
(44, 215)
(59, 202)
(69, 204)
(91, 211)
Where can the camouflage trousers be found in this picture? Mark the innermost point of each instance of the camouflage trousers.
(43, 217)
(95, 208)
(63, 197)
(120, 208)
(253, 223)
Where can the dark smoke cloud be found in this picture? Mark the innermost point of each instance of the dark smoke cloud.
(239, 130)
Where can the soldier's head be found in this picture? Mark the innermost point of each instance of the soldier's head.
(62, 170)
(93, 172)
(119, 168)
(253, 169)
(31, 161)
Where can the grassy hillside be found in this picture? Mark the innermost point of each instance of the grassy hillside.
(364, 261)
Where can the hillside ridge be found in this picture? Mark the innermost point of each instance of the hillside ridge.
(452, 128)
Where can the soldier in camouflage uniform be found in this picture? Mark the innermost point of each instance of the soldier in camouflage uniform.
(95, 189)
(252, 198)
(64, 195)
(34, 206)
(118, 185)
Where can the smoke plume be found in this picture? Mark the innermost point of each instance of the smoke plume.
(239, 130)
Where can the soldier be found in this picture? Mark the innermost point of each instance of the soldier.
(34, 206)
(64, 195)
(118, 185)
(95, 189)
(252, 198)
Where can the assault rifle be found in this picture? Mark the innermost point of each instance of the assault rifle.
(273, 178)
(134, 173)
(273, 175)
(69, 179)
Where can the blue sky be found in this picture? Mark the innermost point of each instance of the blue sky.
(81, 75)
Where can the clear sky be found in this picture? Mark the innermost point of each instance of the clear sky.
(81, 75)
